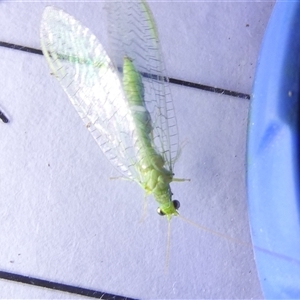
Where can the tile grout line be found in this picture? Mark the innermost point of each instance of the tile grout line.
(60, 286)
(171, 80)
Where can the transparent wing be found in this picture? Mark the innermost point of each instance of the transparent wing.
(132, 32)
(91, 81)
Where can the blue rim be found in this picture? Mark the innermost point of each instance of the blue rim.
(273, 156)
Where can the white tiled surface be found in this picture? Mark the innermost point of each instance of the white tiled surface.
(62, 219)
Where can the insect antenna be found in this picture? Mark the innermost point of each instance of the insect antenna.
(168, 247)
(222, 235)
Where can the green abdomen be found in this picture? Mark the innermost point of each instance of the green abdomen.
(134, 90)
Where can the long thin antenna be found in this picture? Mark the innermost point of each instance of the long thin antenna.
(168, 246)
(245, 244)
(224, 236)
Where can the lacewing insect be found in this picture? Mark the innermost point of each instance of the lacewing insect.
(123, 98)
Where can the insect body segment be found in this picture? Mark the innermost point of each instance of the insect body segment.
(155, 178)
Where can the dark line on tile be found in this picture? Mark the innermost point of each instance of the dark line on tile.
(195, 85)
(60, 287)
(171, 80)
(21, 48)
(3, 117)
(209, 88)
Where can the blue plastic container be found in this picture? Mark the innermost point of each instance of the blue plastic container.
(273, 156)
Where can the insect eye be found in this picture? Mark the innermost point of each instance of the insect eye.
(160, 212)
(176, 204)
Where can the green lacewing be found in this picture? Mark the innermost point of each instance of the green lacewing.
(123, 98)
